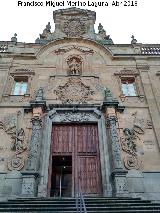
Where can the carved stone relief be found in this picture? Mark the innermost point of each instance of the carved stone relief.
(74, 65)
(128, 143)
(17, 139)
(83, 50)
(74, 91)
(74, 117)
(74, 27)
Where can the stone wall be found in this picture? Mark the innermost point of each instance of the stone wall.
(81, 72)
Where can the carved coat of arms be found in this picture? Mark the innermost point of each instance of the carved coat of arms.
(74, 91)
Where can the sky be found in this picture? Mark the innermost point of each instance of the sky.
(120, 22)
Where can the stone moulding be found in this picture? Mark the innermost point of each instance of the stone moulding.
(70, 115)
(126, 72)
(80, 49)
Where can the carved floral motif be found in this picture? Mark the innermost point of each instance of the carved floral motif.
(74, 91)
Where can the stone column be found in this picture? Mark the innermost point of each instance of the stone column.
(34, 149)
(118, 174)
(31, 174)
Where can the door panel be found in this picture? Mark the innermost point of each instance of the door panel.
(89, 175)
(80, 141)
(62, 139)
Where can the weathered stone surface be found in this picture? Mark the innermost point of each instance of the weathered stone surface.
(71, 72)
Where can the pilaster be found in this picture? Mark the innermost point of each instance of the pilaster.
(30, 176)
(118, 174)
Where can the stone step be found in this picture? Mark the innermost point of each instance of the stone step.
(92, 209)
(105, 211)
(73, 202)
(68, 205)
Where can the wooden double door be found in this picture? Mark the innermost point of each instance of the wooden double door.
(74, 160)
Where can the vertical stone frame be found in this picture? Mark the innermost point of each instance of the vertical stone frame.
(67, 115)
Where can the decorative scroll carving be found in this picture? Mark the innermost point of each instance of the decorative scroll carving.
(128, 143)
(18, 141)
(74, 91)
(10, 126)
(16, 163)
(32, 163)
(74, 27)
(82, 50)
(131, 162)
(78, 117)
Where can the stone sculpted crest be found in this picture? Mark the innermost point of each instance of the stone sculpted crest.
(74, 27)
(74, 91)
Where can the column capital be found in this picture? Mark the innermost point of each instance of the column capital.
(114, 104)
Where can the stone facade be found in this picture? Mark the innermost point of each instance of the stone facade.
(75, 75)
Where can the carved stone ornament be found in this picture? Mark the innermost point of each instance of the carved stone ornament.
(9, 125)
(126, 72)
(74, 91)
(74, 27)
(128, 143)
(131, 162)
(74, 117)
(16, 163)
(74, 66)
(83, 50)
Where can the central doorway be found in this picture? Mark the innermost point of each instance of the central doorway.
(74, 160)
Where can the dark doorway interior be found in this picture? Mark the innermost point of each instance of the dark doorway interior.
(61, 179)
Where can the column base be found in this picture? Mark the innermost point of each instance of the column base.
(29, 184)
(119, 182)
